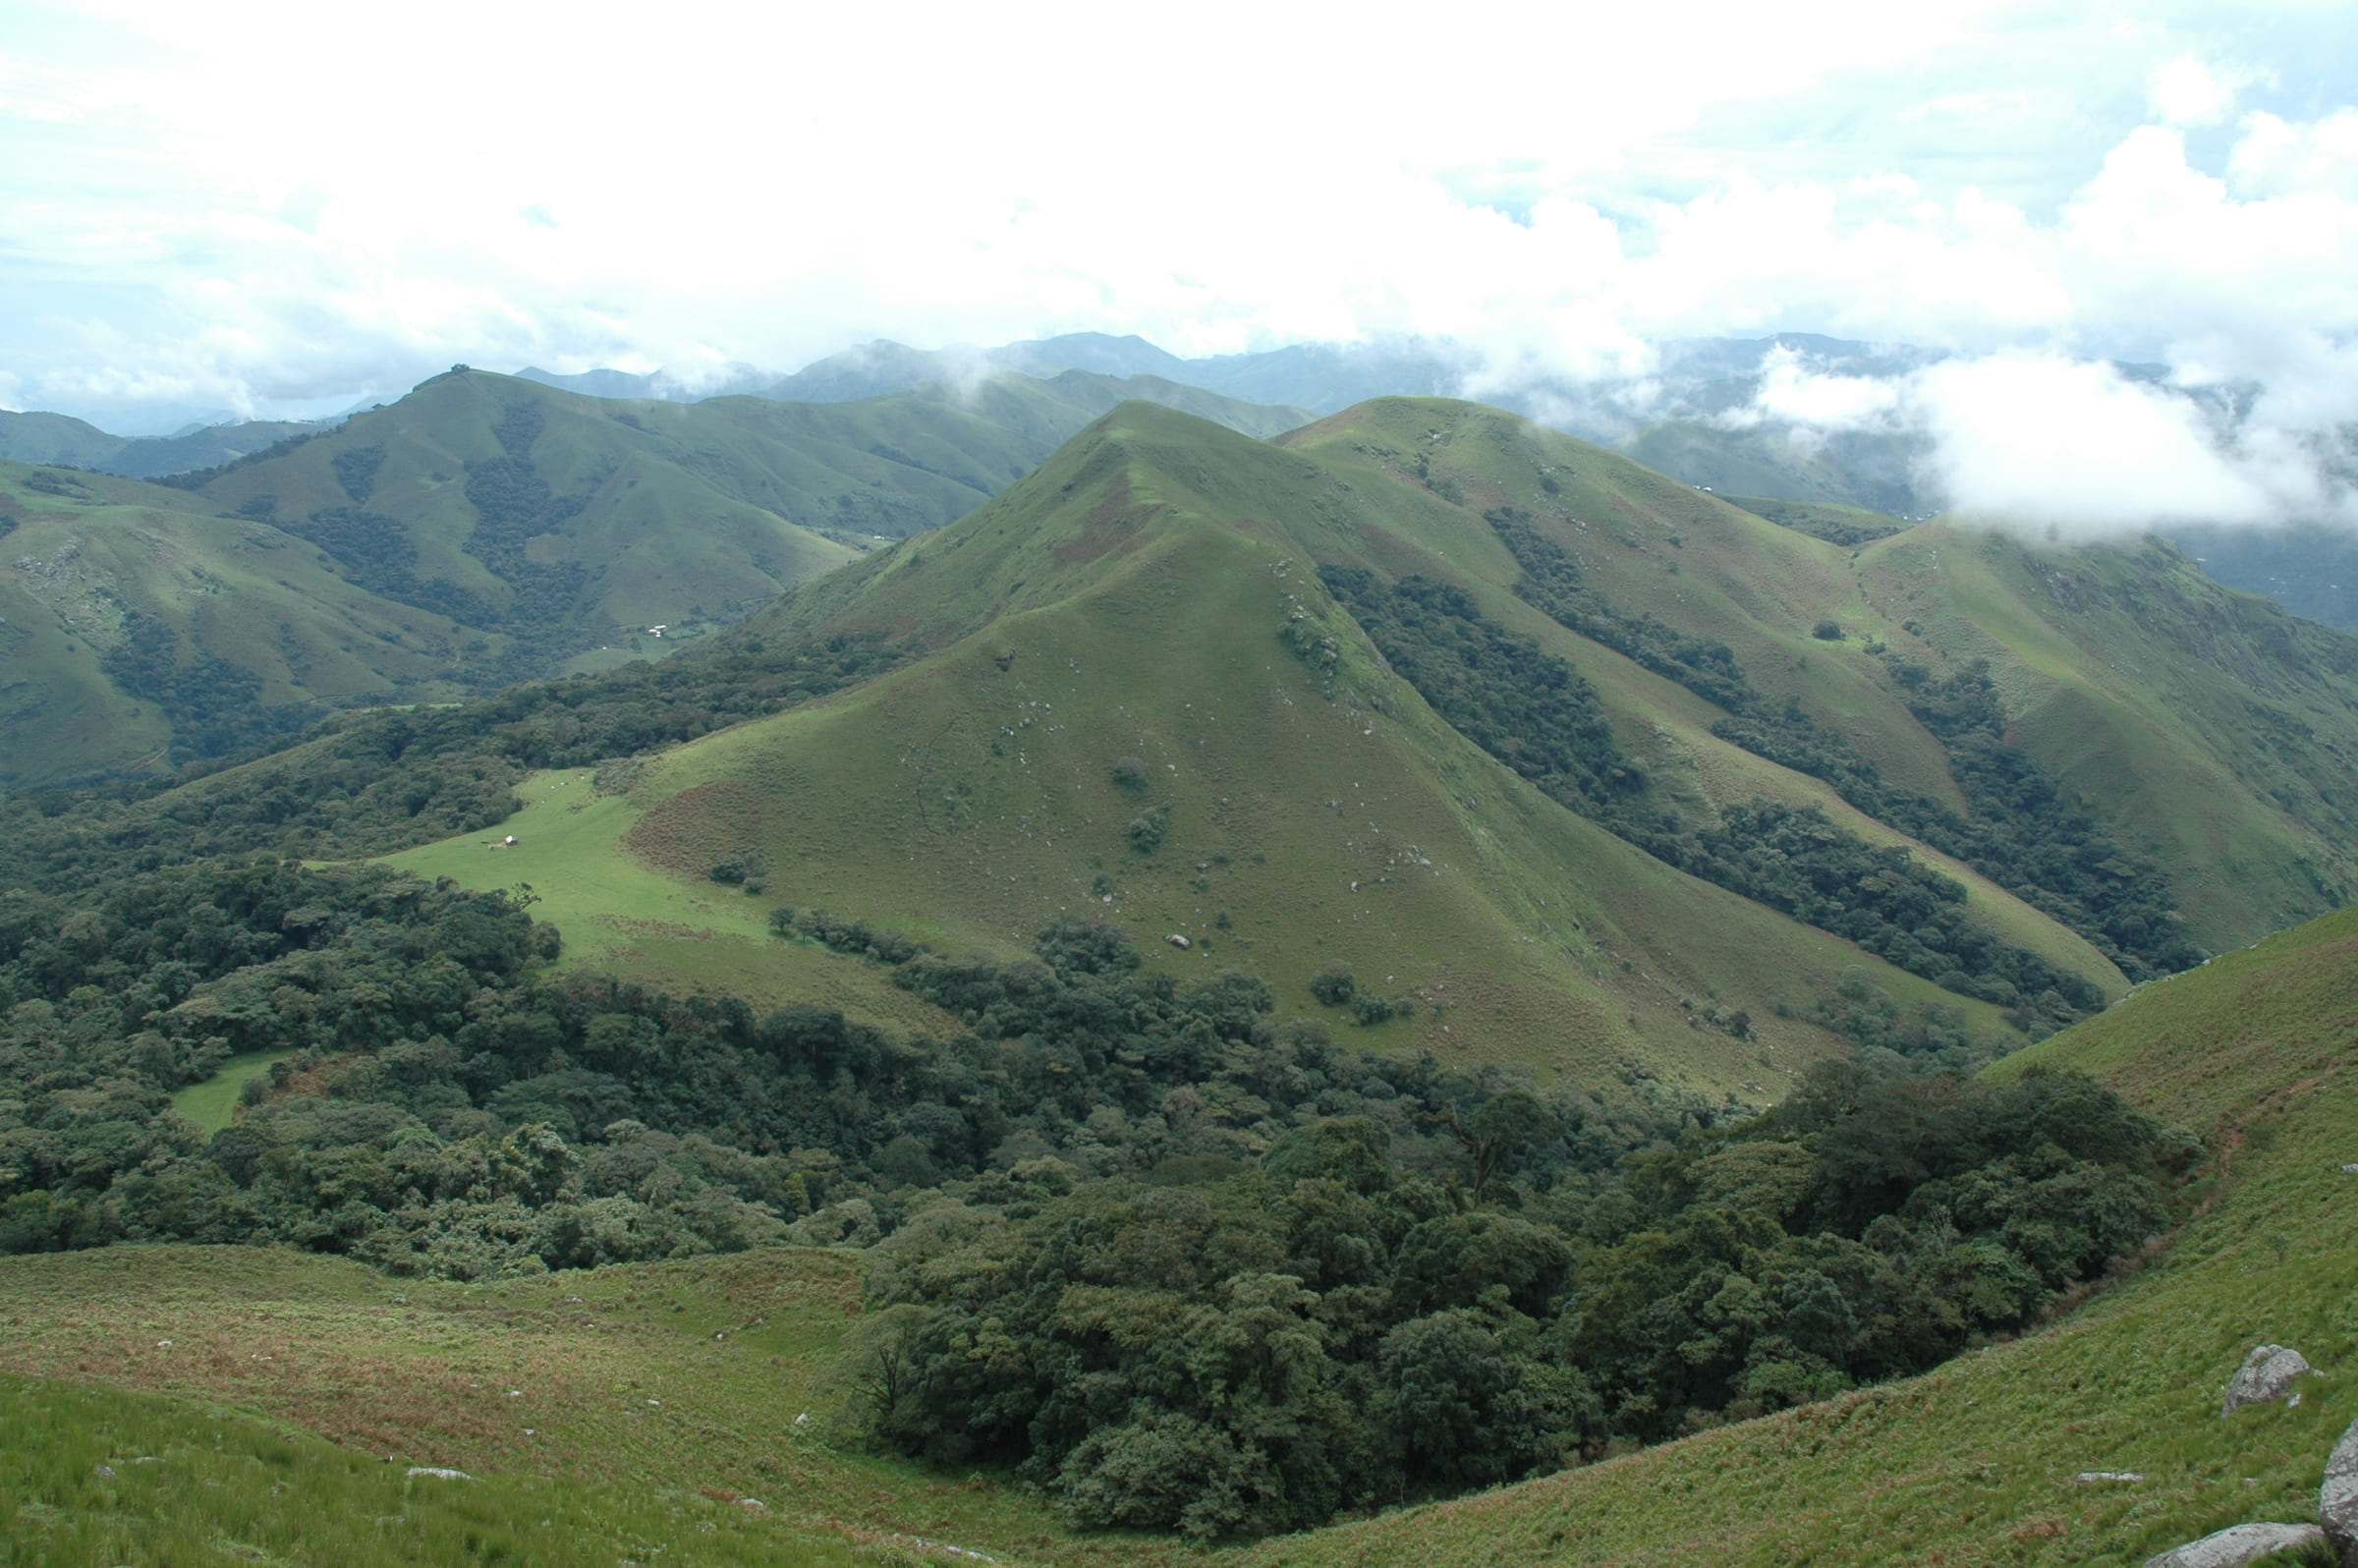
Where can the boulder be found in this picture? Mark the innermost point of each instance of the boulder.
(2338, 1498)
(2238, 1545)
(2266, 1374)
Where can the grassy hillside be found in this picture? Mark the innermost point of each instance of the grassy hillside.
(58, 438)
(2215, 730)
(101, 1475)
(632, 1405)
(2205, 727)
(1116, 722)
(138, 620)
(55, 438)
(617, 1410)
(1977, 1463)
(481, 530)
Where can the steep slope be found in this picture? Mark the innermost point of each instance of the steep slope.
(58, 438)
(1143, 702)
(2204, 728)
(2211, 729)
(483, 529)
(137, 621)
(1997, 1457)
(558, 519)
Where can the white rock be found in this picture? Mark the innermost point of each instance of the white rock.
(2237, 1546)
(2267, 1374)
(2338, 1498)
(437, 1473)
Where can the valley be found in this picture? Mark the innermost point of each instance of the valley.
(1316, 898)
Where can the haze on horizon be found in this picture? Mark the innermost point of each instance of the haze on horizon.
(277, 211)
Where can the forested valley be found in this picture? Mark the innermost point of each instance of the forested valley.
(1184, 1264)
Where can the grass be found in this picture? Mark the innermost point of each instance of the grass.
(1126, 602)
(689, 513)
(212, 1103)
(646, 1387)
(618, 915)
(95, 1474)
(614, 1403)
(1977, 1462)
(2205, 724)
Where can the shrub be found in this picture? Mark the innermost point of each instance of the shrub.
(1828, 631)
(1333, 984)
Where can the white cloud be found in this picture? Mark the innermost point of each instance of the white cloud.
(2079, 448)
(2189, 91)
(278, 210)
(1791, 393)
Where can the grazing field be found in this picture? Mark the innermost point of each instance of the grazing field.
(629, 1395)
(97, 1475)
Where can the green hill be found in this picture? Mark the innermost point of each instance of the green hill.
(2203, 726)
(1134, 692)
(483, 530)
(1142, 700)
(138, 620)
(1420, 683)
(1148, 993)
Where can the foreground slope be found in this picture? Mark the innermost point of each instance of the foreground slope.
(608, 1414)
(1145, 705)
(1981, 1461)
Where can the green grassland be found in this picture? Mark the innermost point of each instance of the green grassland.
(618, 915)
(1979, 1462)
(2217, 727)
(213, 1103)
(95, 1474)
(2204, 726)
(1126, 602)
(623, 1405)
(88, 552)
(359, 566)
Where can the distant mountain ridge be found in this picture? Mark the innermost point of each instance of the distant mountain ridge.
(61, 440)
(481, 530)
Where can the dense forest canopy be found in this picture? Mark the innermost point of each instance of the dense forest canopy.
(1187, 1266)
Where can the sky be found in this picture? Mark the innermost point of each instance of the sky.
(279, 210)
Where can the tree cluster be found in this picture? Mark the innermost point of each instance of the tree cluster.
(2024, 832)
(1532, 711)
(1185, 1266)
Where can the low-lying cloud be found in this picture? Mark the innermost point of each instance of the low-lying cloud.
(2025, 193)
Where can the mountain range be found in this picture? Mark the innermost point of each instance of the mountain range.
(483, 530)
(1547, 756)
(1078, 882)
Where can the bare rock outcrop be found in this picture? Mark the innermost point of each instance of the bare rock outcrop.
(2237, 1546)
(2338, 1498)
(2266, 1374)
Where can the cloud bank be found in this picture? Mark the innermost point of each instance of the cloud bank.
(276, 210)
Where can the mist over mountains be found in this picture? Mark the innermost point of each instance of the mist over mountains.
(1892, 428)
